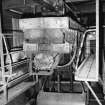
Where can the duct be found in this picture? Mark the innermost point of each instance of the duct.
(15, 11)
(46, 39)
(45, 23)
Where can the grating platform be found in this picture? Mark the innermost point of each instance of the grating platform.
(87, 70)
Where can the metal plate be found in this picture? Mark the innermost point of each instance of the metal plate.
(50, 98)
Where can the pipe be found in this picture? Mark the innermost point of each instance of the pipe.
(1, 16)
(15, 11)
(5, 90)
(97, 36)
(58, 78)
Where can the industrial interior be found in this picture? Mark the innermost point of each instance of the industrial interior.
(52, 52)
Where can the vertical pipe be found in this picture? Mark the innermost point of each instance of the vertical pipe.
(5, 93)
(34, 10)
(71, 79)
(1, 16)
(87, 47)
(87, 96)
(97, 38)
(58, 77)
(30, 65)
(0, 13)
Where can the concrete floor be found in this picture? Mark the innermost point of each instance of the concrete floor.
(22, 100)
